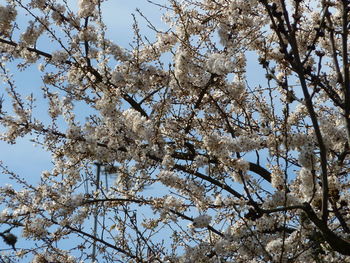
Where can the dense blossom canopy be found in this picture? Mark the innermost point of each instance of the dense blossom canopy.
(211, 165)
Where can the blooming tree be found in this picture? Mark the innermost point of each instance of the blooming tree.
(210, 166)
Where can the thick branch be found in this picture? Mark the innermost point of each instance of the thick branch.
(346, 84)
(336, 242)
(296, 64)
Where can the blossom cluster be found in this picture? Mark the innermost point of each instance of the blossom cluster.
(7, 16)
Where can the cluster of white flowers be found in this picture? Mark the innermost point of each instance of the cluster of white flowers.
(86, 7)
(168, 161)
(244, 4)
(277, 177)
(201, 221)
(308, 187)
(225, 35)
(241, 167)
(238, 177)
(36, 228)
(306, 156)
(268, 222)
(57, 14)
(236, 89)
(168, 178)
(38, 4)
(334, 131)
(279, 198)
(5, 214)
(181, 65)
(59, 57)
(75, 75)
(280, 249)
(138, 124)
(13, 130)
(171, 202)
(75, 200)
(241, 164)
(31, 35)
(247, 143)
(164, 43)
(119, 53)
(297, 140)
(197, 254)
(274, 246)
(200, 161)
(117, 76)
(54, 105)
(217, 145)
(28, 56)
(7, 16)
(106, 105)
(222, 247)
(89, 33)
(220, 64)
(61, 256)
(298, 114)
(195, 191)
(73, 132)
